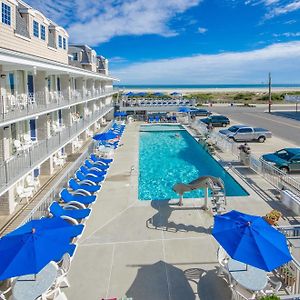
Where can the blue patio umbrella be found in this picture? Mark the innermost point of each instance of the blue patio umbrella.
(158, 94)
(184, 109)
(251, 240)
(109, 135)
(120, 114)
(29, 248)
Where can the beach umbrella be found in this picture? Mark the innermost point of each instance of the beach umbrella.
(251, 240)
(130, 94)
(158, 94)
(184, 110)
(175, 94)
(141, 94)
(109, 135)
(120, 114)
(29, 248)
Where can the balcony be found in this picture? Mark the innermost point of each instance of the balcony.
(24, 106)
(24, 162)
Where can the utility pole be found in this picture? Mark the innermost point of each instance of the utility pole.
(270, 92)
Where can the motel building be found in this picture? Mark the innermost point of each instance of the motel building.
(53, 98)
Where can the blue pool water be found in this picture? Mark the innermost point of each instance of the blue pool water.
(170, 155)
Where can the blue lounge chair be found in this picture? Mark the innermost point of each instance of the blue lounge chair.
(56, 210)
(157, 119)
(92, 172)
(95, 165)
(73, 184)
(151, 120)
(80, 176)
(104, 160)
(66, 196)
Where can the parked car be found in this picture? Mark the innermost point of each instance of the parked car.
(199, 112)
(216, 121)
(246, 134)
(286, 159)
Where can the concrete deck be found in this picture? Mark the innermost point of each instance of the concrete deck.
(152, 249)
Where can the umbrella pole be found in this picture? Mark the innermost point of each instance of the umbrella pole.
(181, 200)
(206, 199)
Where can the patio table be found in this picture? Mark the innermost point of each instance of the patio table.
(28, 287)
(249, 277)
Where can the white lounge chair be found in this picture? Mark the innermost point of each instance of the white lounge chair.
(53, 294)
(239, 293)
(64, 267)
(223, 259)
(18, 145)
(27, 140)
(273, 286)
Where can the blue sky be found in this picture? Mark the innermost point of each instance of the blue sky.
(187, 41)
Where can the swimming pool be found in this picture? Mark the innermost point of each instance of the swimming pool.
(168, 155)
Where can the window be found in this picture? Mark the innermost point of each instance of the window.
(11, 79)
(245, 130)
(60, 41)
(6, 14)
(35, 28)
(64, 43)
(75, 56)
(43, 32)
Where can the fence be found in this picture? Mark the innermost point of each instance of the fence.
(273, 175)
(41, 208)
(22, 163)
(14, 107)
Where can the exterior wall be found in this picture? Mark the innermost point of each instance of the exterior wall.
(32, 45)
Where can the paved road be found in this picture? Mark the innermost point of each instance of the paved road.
(285, 128)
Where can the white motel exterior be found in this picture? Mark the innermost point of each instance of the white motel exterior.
(53, 98)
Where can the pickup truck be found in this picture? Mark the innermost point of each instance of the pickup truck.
(246, 134)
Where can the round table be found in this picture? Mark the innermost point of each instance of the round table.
(249, 277)
(29, 287)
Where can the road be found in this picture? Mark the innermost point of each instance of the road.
(281, 127)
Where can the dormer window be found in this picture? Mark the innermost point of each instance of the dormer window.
(60, 43)
(75, 56)
(36, 29)
(43, 32)
(6, 14)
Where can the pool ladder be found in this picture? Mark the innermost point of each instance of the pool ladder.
(218, 200)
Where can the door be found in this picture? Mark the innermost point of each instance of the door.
(244, 134)
(58, 84)
(30, 87)
(295, 163)
(32, 124)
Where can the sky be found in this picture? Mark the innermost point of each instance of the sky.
(187, 41)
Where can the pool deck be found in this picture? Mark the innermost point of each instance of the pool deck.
(151, 249)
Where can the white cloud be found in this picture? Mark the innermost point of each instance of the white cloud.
(234, 67)
(202, 30)
(287, 34)
(283, 9)
(95, 21)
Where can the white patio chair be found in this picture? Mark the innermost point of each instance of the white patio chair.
(273, 287)
(53, 294)
(62, 155)
(27, 140)
(4, 294)
(24, 192)
(59, 162)
(32, 182)
(64, 267)
(223, 259)
(239, 293)
(18, 145)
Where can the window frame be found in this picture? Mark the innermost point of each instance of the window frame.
(60, 45)
(6, 19)
(43, 32)
(36, 29)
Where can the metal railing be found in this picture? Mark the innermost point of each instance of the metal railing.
(22, 163)
(26, 105)
(41, 208)
(144, 102)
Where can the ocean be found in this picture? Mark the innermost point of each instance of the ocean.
(206, 86)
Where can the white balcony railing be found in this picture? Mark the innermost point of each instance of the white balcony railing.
(20, 164)
(26, 105)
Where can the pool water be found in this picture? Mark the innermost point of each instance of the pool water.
(169, 155)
